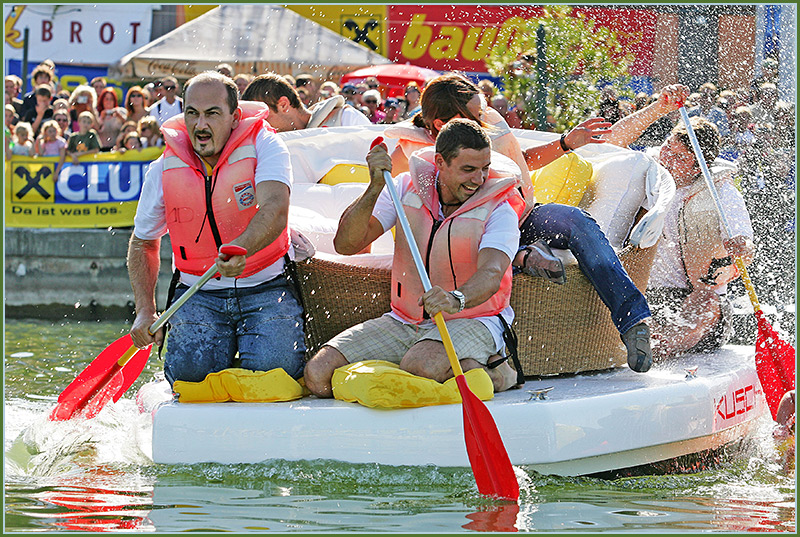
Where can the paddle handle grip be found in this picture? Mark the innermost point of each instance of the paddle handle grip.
(423, 274)
(698, 153)
(227, 251)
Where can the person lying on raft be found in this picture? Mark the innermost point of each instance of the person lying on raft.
(463, 205)
(542, 226)
(693, 263)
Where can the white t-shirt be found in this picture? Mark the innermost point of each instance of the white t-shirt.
(668, 269)
(150, 222)
(501, 233)
(162, 110)
(352, 117)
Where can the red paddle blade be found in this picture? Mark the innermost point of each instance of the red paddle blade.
(774, 363)
(487, 454)
(106, 378)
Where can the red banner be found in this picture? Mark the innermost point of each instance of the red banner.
(446, 37)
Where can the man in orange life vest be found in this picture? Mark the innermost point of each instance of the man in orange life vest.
(224, 178)
(463, 208)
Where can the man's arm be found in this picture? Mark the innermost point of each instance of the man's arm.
(628, 129)
(266, 225)
(357, 227)
(492, 265)
(144, 262)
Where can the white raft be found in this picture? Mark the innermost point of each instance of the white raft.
(586, 424)
(596, 415)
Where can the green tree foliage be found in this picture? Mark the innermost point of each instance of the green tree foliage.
(579, 56)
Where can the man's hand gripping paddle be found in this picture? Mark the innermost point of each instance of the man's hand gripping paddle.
(120, 364)
(774, 357)
(491, 466)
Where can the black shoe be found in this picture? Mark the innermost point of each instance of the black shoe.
(637, 341)
(540, 261)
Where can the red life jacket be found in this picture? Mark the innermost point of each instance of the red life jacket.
(449, 248)
(205, 212)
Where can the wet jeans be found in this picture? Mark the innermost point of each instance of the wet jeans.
(264, 324)
(571, 228)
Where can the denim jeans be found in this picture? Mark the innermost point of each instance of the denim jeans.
(264, 324)
(573, 229)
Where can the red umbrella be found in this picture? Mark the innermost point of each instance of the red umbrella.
(393, 76)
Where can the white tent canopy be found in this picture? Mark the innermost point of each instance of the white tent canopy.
(252, 38)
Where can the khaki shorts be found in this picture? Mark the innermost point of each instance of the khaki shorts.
(386, 338)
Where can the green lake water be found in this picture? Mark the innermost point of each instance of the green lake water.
(93, 475)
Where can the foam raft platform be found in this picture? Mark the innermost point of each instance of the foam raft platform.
(580, 424)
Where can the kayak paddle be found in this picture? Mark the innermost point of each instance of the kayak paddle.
(120, 364)
(491, 466)
(774, 357)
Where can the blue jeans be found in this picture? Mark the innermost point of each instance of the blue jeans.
(573, 229)
(264, 324)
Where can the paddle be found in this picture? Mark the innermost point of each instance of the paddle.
(491, 466)
(774, 357)
(120, 364)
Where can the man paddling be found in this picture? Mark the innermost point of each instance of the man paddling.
(224, 178)
(693, 263)
(461, 201)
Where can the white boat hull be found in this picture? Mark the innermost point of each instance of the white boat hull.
(588, 423)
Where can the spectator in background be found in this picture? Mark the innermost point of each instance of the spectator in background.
(391, 110)
(242, 80)
(328, 89)
(131, 141)
(412, 94)
(11, 117)
(61, 116)
(41, 75)
(641, 100)
(305, 98)
(763, 109)
(361, 87)
(135, 104)
(155, 92)
(50, 143)
(225, 69)
(99, 84)
(150, 132)
(307, 81)
(769, 73)
(288, 113)
(512, 117)
(83, 142)
(487, 89)
(707, 109)
(609, 107)
(169, 105)
(13, 86)
(110, 118)
(372, 100)
(42, 109)
(349, 94)
(372, 83)
(22, 140)
(127, 127)
(83, 99)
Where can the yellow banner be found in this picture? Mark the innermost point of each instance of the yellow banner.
(101, 191)
(363, 24)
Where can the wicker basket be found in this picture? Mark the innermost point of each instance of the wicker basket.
(561, 328)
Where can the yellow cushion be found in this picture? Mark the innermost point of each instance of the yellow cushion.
(382, 384)
(562, 181)
(242, 386)
(346, 173)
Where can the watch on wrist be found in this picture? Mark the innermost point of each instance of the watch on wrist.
(563, 142)
(462, 300)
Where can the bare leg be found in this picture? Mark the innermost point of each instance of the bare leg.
(319, 371)
(699, 312)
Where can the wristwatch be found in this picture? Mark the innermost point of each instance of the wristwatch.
(462, 300)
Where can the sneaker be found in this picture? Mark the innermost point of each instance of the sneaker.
(540, 261)
(637, 341)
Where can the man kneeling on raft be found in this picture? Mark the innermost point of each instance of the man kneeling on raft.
(463, 206)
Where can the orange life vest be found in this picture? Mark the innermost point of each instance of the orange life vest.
(204, 212)
(449, 247)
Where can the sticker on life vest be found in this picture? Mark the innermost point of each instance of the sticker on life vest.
(245, 195)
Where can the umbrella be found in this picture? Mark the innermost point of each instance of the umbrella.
(394, 76)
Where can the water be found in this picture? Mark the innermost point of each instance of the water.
(95, 475)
